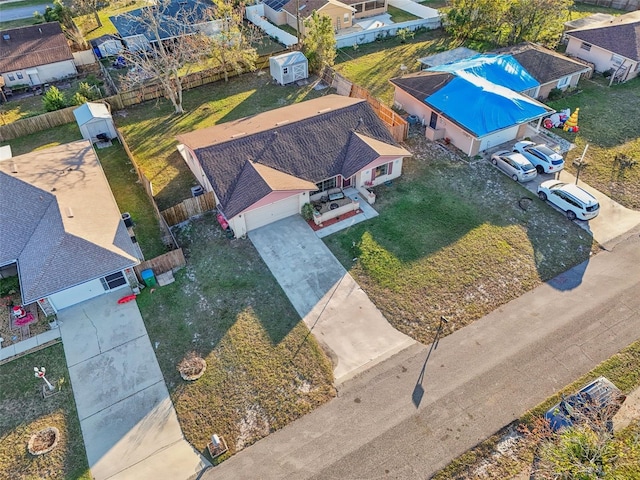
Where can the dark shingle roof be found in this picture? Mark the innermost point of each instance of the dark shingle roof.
(320, 146)
(422, 84)
(59, 220)
(620, 36)
(32, 46)
(543, 64)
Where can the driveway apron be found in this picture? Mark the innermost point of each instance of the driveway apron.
(128, 422)
(340, 315)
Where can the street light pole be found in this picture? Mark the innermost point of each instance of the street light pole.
(580, 164)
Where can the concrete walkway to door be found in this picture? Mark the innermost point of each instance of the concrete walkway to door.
(128, 422)
(340, 315)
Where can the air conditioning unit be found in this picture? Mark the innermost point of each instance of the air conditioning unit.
(197, 191)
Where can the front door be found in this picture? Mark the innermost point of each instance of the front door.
(346, 182)
(433, 121)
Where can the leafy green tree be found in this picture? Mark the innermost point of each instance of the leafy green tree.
(231, 47)
(474, 19)
(319, 43)
(54, 99)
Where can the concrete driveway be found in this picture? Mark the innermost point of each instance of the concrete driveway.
(128, 422)
(340, 315)
(612, 221)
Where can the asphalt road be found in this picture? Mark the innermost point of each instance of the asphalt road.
(409, 416)
(8, 13)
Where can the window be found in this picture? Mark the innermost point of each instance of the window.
(19, 75)
(113, 281)
(358, 7)
(326, 185)
(347, 18)
(585, 46)
(11, 77)
(563, 82)
(381, 170)
(285, 70)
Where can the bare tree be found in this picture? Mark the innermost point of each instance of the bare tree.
(231, 45)
(171, 44)
(87, 7)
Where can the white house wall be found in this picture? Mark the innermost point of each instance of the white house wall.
(194, 165)
(601, 58)
(46, 73)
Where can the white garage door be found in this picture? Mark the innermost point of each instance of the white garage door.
(87, 290)
(499, 138)
(271, 213)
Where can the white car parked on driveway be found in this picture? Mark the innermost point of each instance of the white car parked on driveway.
(544, 159)
(573, 200)
(514, 165)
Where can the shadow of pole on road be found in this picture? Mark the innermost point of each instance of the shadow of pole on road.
(418, 390)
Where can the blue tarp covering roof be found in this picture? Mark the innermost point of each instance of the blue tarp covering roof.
(481, 106)
(502, 70)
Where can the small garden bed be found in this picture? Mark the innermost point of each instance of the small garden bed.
(10, 330)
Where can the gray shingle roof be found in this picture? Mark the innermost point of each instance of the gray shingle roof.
(422, 84)
(620, 35)
(315, 148)
(543, 64)
(59, 220)
(32, 46)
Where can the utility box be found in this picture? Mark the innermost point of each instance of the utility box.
(148, 277)
(289, 67)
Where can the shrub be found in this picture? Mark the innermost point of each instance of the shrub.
(54, 99)
(307, 211)
(607, 73)
(555, 94)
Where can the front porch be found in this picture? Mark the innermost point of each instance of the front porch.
(344, 221)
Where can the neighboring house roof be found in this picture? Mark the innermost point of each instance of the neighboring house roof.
(620, 35)
(275, 4)
(178, 18)
(104, 39)
(290, 148)
(28, 47)
(306, 7)
(503, 70)
(448, 56)
(543, 64)
(587, 21)
(493, 108)
(90, 110)
(59, 220)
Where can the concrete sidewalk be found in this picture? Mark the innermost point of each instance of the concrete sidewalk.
(337, 311)
(411, 415)
(128, 422)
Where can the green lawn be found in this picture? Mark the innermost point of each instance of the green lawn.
(434, 3)
(132, 198)
(150, 128)
(21, 22)
(89, 27)
(608, 123)
(24, 412)
(372, 65)
(45, 139)
(623, 369)
(23, 3)
(399, 16)
(449, 237)
(263, 369)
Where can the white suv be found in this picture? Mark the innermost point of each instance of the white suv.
(573, 200)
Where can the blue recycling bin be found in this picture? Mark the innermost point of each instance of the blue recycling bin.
(148, 277)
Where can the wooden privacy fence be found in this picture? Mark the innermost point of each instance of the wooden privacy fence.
(397, 126)
(167, 235)
(188, 208)
(165, 262)
(28, 125)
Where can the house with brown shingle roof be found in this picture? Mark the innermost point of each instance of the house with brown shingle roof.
(610, 45)
(549, 68)
(35, 55)
(266, 167)
(61, 228)
(341, 12)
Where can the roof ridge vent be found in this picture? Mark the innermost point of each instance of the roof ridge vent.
(324, 110)
(282, 122)
(239, 134)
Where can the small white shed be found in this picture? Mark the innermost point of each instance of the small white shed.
(289, 67)
(94, 119)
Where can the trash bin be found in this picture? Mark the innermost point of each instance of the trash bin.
(148, 277)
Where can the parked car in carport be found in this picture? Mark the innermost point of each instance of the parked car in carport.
(543, 158)
(571, 199)
(514, 165)
(598, 400)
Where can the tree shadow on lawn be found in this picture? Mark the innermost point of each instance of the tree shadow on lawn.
(453, 240)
